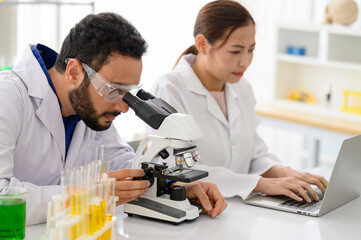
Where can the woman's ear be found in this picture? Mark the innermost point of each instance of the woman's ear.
(201, 44)
(74, 73)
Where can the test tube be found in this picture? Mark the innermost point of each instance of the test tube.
(48, 217)
(107, 167)
(100, 170)
(103, 204)
(112, 204)
(88, 197)
(106, 195)
(94, 172)
(72, 192)
(99, 152)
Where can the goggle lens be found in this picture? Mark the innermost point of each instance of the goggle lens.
(110, 92)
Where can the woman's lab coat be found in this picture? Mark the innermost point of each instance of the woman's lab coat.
(234, 153)
(32, 137)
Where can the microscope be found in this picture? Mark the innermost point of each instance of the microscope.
(174, 131)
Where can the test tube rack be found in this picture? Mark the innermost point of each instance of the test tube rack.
(85, 207)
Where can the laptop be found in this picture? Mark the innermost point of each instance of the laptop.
(344, 185)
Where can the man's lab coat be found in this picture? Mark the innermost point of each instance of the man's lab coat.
(32, 138)
(231, 151)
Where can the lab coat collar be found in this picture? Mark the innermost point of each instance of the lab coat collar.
(189, 76)
(195, 85)
(35, 77)
(231, 100)
(48, 109)
(46, 58)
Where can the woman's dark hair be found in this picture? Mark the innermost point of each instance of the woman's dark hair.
(96, 37)
(217, 20)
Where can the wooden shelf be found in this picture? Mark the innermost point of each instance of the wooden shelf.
(311, 115)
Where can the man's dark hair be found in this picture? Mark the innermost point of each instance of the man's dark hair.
(96, 37)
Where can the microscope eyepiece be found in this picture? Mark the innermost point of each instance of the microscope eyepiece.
(133, 101)
(148, 110)
(144, 95)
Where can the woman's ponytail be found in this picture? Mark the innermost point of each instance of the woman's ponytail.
(192, 49)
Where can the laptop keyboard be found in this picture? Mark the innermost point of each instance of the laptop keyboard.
(312, 206)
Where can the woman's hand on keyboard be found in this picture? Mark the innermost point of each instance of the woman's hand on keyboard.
(281, 180)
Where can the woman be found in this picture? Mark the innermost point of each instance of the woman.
(207, 83)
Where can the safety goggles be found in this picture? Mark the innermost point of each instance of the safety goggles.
(111, 92)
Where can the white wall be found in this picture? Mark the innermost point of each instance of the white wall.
(43, 23)
(8, 21)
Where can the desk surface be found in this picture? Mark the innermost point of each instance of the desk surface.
(241, 221)
(315, 116)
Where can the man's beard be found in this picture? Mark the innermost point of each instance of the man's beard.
(84, 107)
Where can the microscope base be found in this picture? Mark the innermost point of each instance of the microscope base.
(162, 208)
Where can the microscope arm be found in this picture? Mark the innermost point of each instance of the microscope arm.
(140, 150)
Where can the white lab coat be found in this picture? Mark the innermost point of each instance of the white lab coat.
(231, 151)
(32, 137)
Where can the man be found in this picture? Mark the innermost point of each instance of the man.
(55, 109)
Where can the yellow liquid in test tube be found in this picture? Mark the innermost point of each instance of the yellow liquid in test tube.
(74, 232)
(92, 219)
(98, 209)
(103, 212)
(108, 233)
(83, 212)
(87, 223)
(73, 208)
(74, 203)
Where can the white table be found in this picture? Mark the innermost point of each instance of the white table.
(241, 221)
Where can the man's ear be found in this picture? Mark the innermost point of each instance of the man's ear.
(201, 43)
(74, 73)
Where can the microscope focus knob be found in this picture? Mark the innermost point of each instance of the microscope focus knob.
(148, 176)
(177, 193)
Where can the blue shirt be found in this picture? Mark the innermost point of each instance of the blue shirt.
(46, 58)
